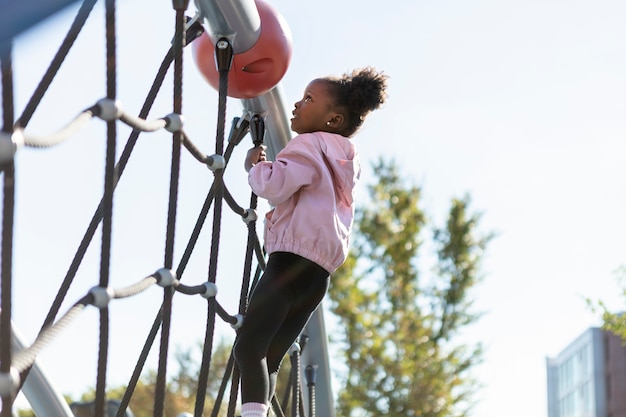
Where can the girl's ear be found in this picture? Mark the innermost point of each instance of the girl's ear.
(336, 121)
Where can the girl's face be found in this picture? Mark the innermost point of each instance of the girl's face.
(314, 110)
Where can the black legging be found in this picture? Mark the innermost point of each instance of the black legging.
(289, 291)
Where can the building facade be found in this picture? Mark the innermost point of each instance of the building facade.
(588, 378)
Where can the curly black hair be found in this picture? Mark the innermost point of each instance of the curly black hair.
(356, 94)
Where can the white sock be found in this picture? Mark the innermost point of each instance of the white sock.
(254, 410)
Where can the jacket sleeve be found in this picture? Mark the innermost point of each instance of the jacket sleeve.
(295, 167)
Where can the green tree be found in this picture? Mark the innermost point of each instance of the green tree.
(399, 329)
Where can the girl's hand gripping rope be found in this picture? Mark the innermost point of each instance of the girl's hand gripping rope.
(256, 154)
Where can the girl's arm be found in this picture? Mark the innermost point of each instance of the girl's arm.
(294, 167)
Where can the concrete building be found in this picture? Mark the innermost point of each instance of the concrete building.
(588, 378)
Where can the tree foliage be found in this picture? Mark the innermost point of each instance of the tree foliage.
(399, 327)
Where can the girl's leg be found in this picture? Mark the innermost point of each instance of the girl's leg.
(266, 311)
(309, 293)
(279, 307)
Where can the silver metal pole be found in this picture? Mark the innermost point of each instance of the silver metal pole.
(237, 20)
(271, 105)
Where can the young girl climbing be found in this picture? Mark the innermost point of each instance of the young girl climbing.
(310, 185)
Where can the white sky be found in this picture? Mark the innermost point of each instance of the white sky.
(518, 103)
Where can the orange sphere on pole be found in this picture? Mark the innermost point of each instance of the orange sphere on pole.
(259, 69)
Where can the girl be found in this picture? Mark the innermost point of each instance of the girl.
(310, 185)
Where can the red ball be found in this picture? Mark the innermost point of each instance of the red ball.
(257, 70)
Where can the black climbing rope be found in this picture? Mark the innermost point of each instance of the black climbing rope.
(109, 110)
(57, 61)
(8, 204)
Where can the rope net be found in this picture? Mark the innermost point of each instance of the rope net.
(15, 366)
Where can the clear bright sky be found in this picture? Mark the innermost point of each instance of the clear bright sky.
(519, 104)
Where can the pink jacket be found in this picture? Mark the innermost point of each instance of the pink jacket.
(311, 186)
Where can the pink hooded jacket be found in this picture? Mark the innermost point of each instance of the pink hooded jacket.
(311, 186)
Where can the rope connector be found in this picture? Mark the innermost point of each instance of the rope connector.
(210, 290)
(9, 382)
(215, 162)
(239, 129)
(310, 373)
(249, 216)
(109, 109)
(102, 296)
(166, 277)
(223, 55)
(174, 122)
(180, 4)
(239, 321)
(9, 144)
(295, 348)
